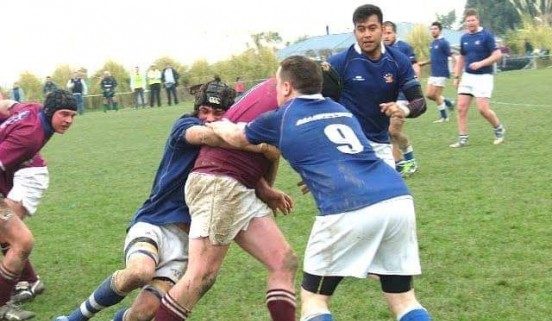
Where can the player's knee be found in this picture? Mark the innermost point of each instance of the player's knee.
(145, 311)
(291, 261)
(135, 277)
(23, 246)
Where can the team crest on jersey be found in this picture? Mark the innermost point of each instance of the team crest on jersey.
(358, 78)
(477, 42)
(388, 78)
(15, 118)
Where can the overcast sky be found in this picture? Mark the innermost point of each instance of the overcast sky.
(39, 35)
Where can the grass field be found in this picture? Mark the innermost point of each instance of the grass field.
(483, 214)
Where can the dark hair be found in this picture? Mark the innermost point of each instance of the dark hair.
(365, 11)
(438, 25)
(471, 12)
(303, 73)
(390, 24)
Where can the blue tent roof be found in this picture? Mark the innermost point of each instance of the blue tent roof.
(338, 42)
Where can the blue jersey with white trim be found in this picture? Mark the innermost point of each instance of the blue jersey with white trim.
(166, 203)
(406, 49)
(324, 143)
(439, 52)
(476, 47)
(368, 83)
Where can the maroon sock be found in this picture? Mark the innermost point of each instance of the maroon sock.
(28, 274)
(281, 304)
(170, 310)
(8, 280)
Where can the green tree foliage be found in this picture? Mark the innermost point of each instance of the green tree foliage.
(447, 20)
(32, 87)
(265, 38)
(541, 10)
(538, 34)
(497, 15)
(61, 75)
(419, 39)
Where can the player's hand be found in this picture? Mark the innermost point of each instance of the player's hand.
(271, 153)
(303, 187)
(476, 65)
(392, 110)
(278, 201)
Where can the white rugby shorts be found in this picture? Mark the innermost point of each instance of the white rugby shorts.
(172, 243)
(377, 239)
(221, 207)
(29, 186)
(437, 81)
(385, 152)
(479, 86)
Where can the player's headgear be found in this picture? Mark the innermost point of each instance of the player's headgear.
(215, 94)
(331, 86)
(57, 100)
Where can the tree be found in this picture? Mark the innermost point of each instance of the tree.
(541, 10)
(447, 20)
(497, 15)
(32, 86)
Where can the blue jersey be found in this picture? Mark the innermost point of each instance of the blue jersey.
(324, 143)
(439, 52)
(476, 47)
(368, 83)
(166, 204)
(406, 49)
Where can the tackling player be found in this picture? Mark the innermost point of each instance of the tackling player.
(366, 223)
(156, 245)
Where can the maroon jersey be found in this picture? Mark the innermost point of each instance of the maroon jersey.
(22, 136)
(246, 167)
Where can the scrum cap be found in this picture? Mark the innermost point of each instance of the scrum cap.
(57, 100)
(215, 94)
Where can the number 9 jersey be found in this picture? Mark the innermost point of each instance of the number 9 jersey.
(325, 144)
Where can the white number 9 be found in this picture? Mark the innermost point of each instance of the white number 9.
(344, 137)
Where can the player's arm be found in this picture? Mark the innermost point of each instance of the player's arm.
(274, 198)
(458, 67)
(495, 56)
(424, 63)
(203, 135)
(415, 106)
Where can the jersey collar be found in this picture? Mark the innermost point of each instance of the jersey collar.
(48, 129)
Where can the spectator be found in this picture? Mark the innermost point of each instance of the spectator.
(17, 93)
(77, 86)
(137, 82)
(169, 77)
(154, 83)
(49, 86)
(240, 87)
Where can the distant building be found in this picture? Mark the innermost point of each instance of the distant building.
(327, 45)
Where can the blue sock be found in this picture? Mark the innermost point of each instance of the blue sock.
(443, 113)
(321, 317)
(416, 315)
(104, 296)
(119, 315)
(408, 154)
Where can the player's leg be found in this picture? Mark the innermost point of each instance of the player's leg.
(114, 101)
(29, 186)
(316, 292)
(401, 299)
(483, 96)
(465, 95)
(403, 152)
(105, 102)
(397, 258)
(142, 257)
(20, 238)
(175, 93)
(146, 303)
(435, 93)
(265, 242)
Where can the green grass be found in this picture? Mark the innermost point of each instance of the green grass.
(483, 215)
